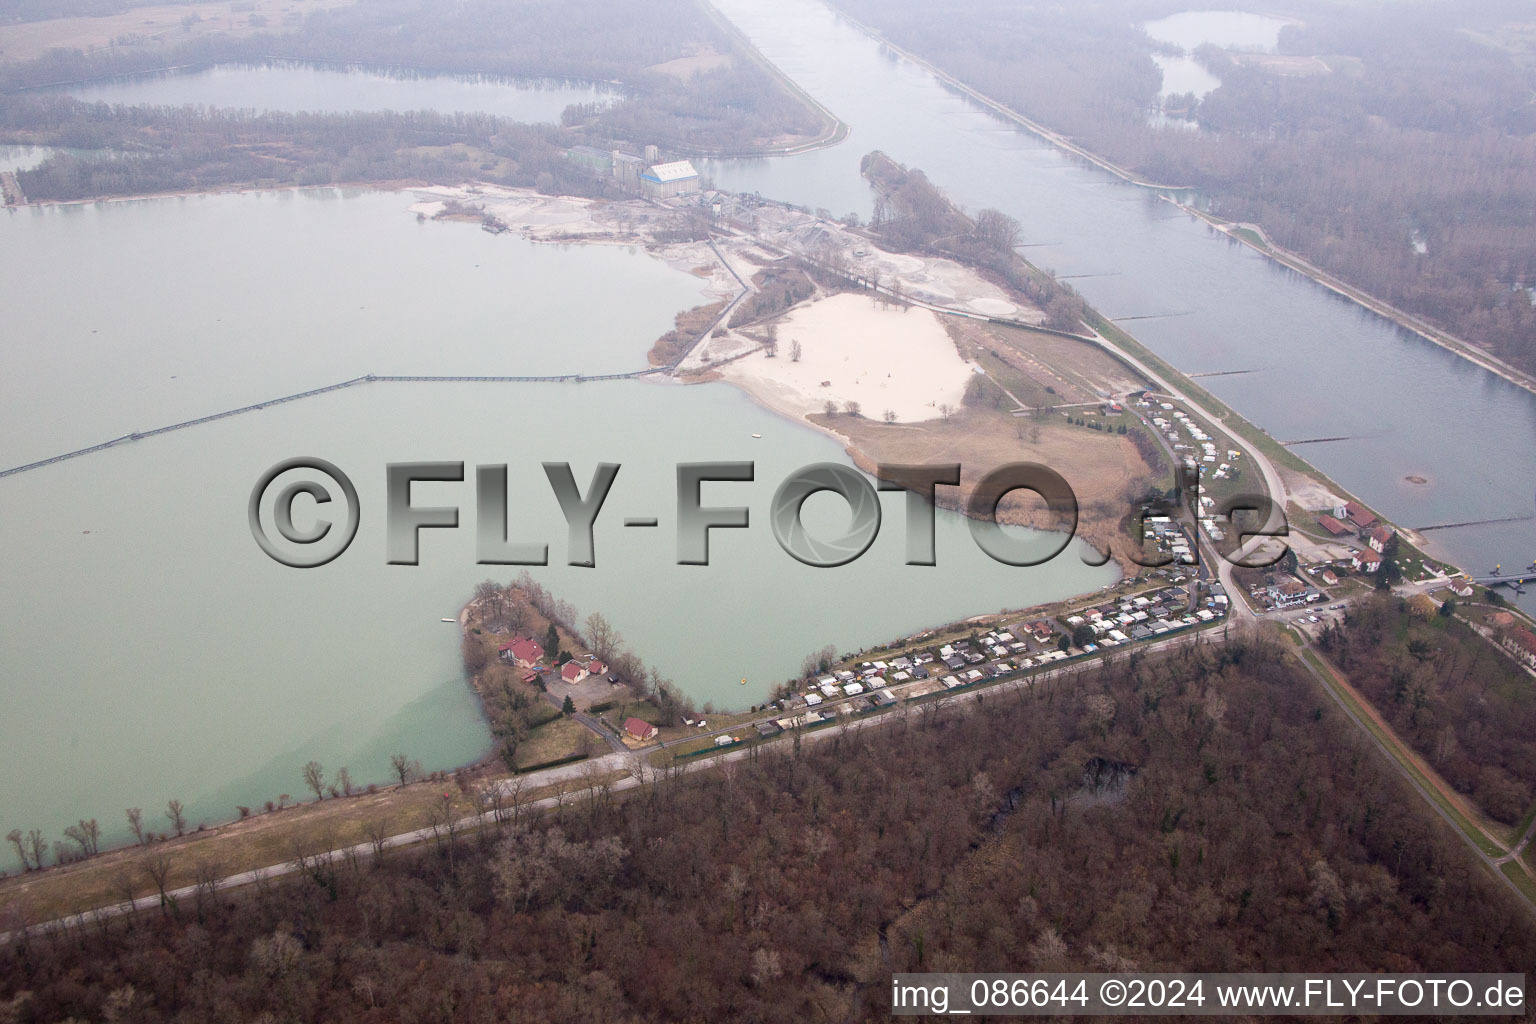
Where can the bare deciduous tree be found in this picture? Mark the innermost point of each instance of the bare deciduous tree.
(124, 887)
(404, 768)
(15, 838)
(602, 636)
(516, 790)
(377, 831)
(997, 230)
(136, 824)
(488, 594)
(314, 778)
(158, 867)
(37, 846)
(177, 816)
(87, 835)
(205, 879)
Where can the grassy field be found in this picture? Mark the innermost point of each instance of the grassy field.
(557, 739)
(1250, 236)
(257, 842)
(1041, 369)
(28, 40)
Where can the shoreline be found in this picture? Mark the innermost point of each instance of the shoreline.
(1467, 350)
(426, 191)
(1380, 307)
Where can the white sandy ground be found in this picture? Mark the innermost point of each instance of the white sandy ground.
(568, 219)
(883, 358)
(629, 222)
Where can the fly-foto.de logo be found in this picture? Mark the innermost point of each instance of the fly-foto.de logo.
(332, 512)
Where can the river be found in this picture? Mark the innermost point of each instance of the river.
(1313, 365)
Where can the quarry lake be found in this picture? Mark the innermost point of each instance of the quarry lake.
(152, 651)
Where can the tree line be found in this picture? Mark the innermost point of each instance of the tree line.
(146, 149)
(1444, 689)
(1208, 810)
(1413, 133)
(911, 213)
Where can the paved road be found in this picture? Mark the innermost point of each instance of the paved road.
(1492, 863)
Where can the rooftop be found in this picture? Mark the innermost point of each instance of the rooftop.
(677, 170)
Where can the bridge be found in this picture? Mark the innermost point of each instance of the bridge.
(1513, 579)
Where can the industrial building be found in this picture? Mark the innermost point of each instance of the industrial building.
(662, 181)
(643, 175)
(627, 169)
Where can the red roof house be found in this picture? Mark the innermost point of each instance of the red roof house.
(640, 729)
(1378, 538)
(523, 651)
(1366, 561)
(1361, 516)
(1522, 642)
(573, 671)
(1332, 525)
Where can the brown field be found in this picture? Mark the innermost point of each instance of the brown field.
(1028, 363)
(1105, 470)
(145, 25)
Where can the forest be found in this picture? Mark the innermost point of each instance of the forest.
(911, 213)
(165, 149)
(41, 10)
(1416, 135)
(1450, 693)
(723, 108)
(1207, 809)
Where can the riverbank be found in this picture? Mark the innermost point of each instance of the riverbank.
(1255, 238)
(1250, 235)
(1003, 110)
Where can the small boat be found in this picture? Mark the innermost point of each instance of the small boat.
(450, 620)
(757, 435)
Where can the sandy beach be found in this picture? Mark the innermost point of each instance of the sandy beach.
(883, 358)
